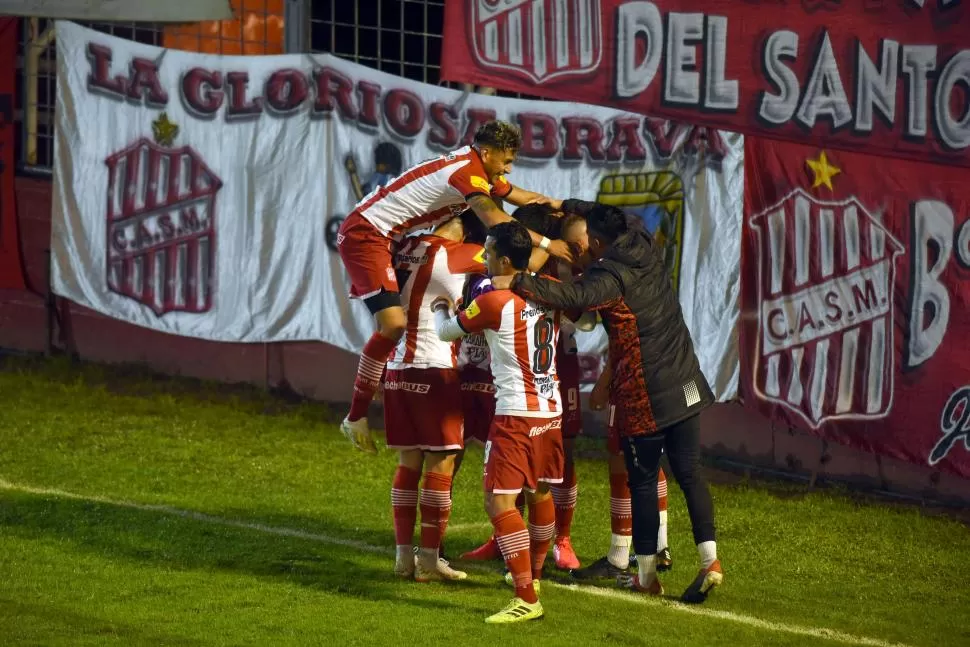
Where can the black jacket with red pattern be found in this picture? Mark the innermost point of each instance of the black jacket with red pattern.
(657, 380)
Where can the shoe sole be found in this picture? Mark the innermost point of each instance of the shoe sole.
(541, 616)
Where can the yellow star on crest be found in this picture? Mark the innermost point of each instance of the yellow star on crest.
(823, 170)
(164, 130)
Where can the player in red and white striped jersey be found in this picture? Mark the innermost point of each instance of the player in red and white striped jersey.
(544, 220)
(422, 400)
(420, 198)
(524, 448)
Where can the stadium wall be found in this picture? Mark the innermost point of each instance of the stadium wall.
(734, 436)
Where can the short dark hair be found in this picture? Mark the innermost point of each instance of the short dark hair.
(512, 239)
(607, 222)
(500, 135)
(475, 229)
(540, 218)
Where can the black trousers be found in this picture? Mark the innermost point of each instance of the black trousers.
(681, 441)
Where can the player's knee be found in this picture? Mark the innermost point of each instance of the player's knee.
(393, 330)
(440, 463)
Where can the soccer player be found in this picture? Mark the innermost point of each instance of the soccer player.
(658, 389)
(423, 196)
(422, 408)
(544, 220)
(524, 449)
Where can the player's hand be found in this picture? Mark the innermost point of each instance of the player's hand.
(546, 200)
(561, 250)
(502, 282)
(441, 303)
(600, 397)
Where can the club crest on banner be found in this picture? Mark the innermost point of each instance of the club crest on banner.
(539, 40)
(658, 200)
(161, 217)
(826, 272)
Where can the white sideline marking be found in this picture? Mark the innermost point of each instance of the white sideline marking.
(751, 621)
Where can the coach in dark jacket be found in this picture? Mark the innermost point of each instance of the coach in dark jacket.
(658, 389)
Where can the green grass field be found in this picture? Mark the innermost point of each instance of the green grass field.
(138, 510)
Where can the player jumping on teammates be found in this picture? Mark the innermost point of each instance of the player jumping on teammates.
(423, 196)
(422, 401)
(524, 449)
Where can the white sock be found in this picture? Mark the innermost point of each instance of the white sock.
(708, 552)
(619, 554)
(428, 556)
(404, 551)
(648, 569)
(662, 533)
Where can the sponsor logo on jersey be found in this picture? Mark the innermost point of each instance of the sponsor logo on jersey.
(480, 183)
(413, 387)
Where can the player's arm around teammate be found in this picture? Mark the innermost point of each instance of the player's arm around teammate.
(524, 449)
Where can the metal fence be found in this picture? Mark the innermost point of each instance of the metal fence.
(37, 85)
(401, 37)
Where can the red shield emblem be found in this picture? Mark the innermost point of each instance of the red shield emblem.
(825, 348)
(161, 227)
(538, 40)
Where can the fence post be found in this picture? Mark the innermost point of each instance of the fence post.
(296, 26)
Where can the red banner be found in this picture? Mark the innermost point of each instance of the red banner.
(11, 269)
(855, 300)
(891, 77)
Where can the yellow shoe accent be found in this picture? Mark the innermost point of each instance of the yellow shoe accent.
(518, 610)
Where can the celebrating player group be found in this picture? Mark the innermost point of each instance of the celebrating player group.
(476, 314)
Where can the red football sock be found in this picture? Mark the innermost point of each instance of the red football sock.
(513, 541)
(542, 526)
(369, 373)
(564, 497)
(621, 511)
(404, 503)
(435, 508)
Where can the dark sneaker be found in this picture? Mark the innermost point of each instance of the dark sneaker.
(601, 569)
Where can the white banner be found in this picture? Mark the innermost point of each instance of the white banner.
(199, 195)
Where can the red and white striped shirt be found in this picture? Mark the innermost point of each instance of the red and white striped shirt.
(429, 267)
(522, 337)
(429, 193)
